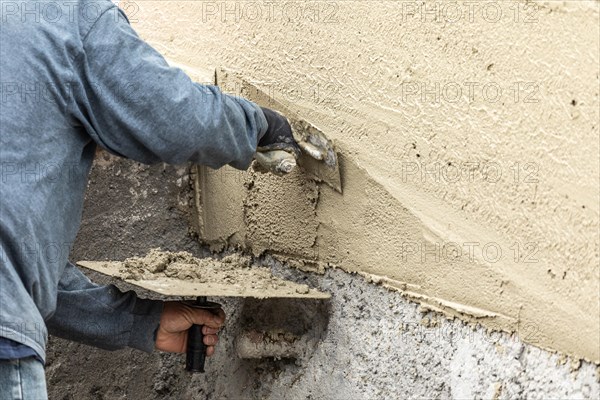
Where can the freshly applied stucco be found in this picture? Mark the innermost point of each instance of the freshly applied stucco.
(474, 133)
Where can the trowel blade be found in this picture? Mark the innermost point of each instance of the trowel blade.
(308, 135)
(186, 288)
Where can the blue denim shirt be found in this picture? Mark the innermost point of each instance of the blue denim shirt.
(74, 75)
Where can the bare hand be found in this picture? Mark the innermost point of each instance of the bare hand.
(178, 317)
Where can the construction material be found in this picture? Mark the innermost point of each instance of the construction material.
(318, 159)
(181, 274)
(272, 344)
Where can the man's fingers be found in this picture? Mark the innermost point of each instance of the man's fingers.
(207, 330)
(211, 318)
(210, 350)
(210, 340)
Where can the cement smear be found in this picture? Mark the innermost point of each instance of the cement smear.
(234, 270)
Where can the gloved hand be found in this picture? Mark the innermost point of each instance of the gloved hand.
(279, 134)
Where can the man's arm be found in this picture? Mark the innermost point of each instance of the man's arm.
(137, 106)
(103, 316)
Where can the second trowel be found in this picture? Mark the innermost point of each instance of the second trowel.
(318, 159)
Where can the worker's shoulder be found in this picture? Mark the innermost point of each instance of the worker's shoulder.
(88, 12)
(59, 18)
(63, 15)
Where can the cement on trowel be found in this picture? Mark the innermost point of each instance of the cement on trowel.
(181, 274)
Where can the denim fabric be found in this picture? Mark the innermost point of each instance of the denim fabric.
(11, 350)
(74, 75)
(22, 379)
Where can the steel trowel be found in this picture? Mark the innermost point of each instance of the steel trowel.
(318, 157)
(171, 286)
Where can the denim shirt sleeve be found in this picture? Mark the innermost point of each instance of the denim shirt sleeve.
(11, 350)
(103, 316)
(135, 105)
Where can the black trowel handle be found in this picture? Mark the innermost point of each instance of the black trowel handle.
(196, 349)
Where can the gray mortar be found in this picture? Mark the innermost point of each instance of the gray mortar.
(379, 345)
(372, 343)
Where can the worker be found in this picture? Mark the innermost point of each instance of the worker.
(75, 75)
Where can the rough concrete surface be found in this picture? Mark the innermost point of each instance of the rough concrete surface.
(365, 343)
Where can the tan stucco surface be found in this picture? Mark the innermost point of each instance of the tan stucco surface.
(472, 130)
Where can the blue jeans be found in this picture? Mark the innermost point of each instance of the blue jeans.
(22, 379)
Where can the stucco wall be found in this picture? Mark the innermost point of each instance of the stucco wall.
(464, 128)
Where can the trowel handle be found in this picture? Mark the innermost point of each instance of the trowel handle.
(278, 162)
(196, 350)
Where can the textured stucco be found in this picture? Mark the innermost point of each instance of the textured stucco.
(470, 129)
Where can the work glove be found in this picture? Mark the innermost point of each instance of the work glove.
(278, 135)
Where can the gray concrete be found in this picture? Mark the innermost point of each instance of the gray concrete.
(369, 343)
(379, 345)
